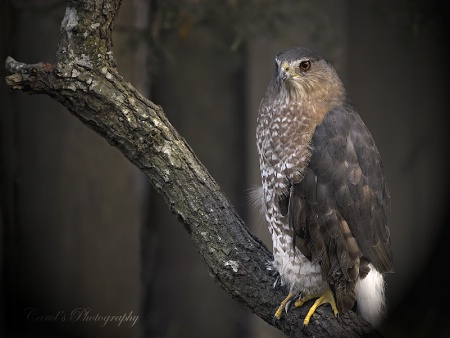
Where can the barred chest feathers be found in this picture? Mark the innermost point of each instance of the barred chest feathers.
(284, 146)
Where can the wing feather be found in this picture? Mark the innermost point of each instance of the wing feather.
(341, 207)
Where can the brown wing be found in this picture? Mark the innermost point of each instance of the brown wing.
(340, 210)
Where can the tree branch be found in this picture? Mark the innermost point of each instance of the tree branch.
(85, 80)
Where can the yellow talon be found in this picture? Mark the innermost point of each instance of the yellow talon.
(283, 305)
(327, 297)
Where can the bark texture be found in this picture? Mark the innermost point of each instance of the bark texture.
(85, 80)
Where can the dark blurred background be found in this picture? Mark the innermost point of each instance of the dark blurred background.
(81, 228)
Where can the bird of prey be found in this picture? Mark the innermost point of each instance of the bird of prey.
(324, 190)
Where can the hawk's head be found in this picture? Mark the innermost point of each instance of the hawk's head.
(305, 75)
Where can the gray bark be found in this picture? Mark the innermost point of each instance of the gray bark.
(85, 80)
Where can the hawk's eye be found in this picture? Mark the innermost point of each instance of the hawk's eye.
(305, 65)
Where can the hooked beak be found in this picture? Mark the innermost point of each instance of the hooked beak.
(285, 71)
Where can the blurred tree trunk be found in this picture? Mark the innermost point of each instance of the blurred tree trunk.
(73, 211)
(214, 131)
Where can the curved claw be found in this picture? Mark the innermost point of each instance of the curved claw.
(282, 306)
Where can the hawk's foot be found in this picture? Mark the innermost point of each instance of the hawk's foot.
(327, 297)
(284, 305)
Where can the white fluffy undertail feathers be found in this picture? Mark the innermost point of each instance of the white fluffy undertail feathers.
(371, 304)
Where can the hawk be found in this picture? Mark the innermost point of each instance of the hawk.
(324, 190)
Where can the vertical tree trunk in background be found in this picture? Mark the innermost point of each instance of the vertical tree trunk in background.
(74, 242)
(186, 302)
